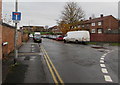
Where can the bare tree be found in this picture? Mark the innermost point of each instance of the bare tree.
(72, 13)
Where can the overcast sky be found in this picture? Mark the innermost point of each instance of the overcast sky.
(46, 13)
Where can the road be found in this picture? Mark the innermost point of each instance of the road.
(77, 63)
(58, 62)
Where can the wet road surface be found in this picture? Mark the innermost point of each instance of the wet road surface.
(74, 63)
(78, 63)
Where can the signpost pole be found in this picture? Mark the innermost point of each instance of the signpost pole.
(15, 36)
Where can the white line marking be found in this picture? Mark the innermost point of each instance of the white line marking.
(108, 78)
(102, 58)
(33, 50)
(105, 54)
(102, 65)
(104, 70)
(101, 61)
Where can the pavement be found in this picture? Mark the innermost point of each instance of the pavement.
(29, 69)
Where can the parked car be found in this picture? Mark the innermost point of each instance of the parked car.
(77, 36)
(59, 38)
(54, 37)
(37, 37)
(43, 36)
(50, 36)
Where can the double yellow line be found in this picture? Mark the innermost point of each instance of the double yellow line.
(55, 75)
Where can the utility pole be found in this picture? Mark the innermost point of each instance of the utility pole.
(15, 36)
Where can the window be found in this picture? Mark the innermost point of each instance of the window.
(99, 30)
(99, 23)
(93, 24)
(93, 31)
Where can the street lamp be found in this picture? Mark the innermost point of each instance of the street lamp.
(15, 36)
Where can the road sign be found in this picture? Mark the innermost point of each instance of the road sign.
(16, 16)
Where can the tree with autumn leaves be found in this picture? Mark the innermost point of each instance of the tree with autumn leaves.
(71, 17)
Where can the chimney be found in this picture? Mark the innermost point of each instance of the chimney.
(101, 15)
(90, 18)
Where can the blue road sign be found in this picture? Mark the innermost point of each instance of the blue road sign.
(16, 16)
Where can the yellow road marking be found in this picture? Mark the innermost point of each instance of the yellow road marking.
(57, 74)
(52, 73)
(61, 81)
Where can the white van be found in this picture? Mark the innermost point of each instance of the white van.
(77, 36)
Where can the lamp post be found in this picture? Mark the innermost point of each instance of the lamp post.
(15, 36)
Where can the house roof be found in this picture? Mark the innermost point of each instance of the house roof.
(54, 27)
(99, 19)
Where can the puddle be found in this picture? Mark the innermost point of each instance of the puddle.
(99, 48)
(96, 47)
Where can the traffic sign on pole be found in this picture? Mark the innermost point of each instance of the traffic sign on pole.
(16, 16)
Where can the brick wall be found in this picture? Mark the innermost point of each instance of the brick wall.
(8, 36)
(110, 23)
(105, 37)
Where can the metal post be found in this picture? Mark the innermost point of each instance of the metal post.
(15, 36)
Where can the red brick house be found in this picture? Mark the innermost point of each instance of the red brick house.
(102, 29)
(100, 25)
